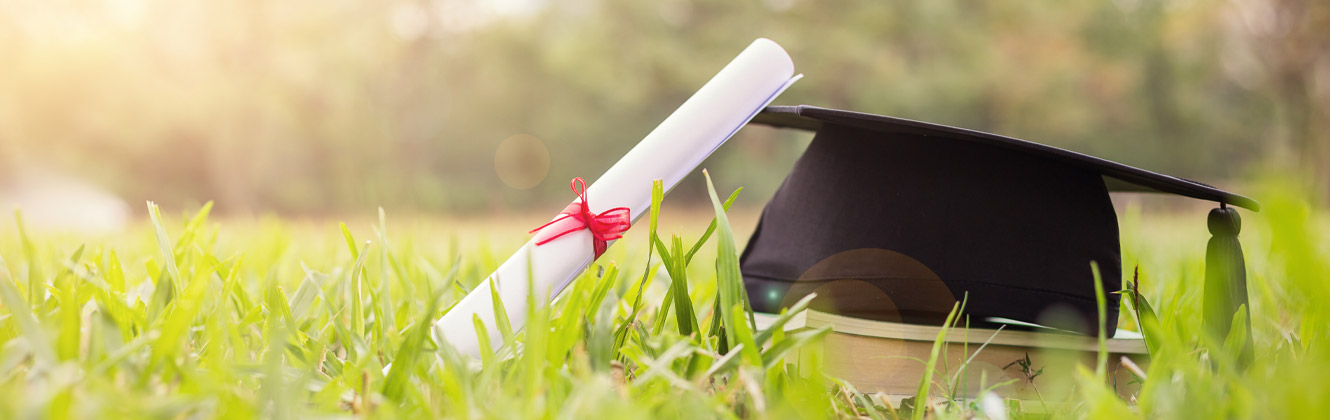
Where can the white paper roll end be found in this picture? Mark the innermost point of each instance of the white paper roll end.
(770, 48)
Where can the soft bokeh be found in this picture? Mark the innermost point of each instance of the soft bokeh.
(337, 107)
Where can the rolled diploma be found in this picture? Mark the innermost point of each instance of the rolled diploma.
(680, 143)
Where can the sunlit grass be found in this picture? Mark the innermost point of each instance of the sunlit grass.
(183, 317)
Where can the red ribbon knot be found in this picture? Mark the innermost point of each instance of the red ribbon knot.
(606, 226)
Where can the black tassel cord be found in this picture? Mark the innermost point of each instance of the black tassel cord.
(1226, 278)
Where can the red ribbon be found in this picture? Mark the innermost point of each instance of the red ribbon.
(606, 226)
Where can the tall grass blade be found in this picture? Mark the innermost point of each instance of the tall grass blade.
(36, 281)
(167, 249)
(357, 293)
(1101, 358)
(21, 313)
(797, 340)
(404, 363)
(483, 341)
(621, 334)
(683, 304)
(711, 228)
(69, 316)
(501, 315)
(729, 281)
(925, 383)
(785, 316)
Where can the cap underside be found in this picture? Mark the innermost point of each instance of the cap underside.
(898, 227)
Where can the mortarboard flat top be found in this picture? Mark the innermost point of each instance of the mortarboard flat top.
(1119, 177)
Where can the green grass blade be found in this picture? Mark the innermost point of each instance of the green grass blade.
(621, 334)
(176, 324)
(192, 228)
(501, 316)
(36, 281)
(534, 364)
(1101, 302)
(357, 292)
(350, 241)
(69, 316)
(483, 340)
(602, 290)
(1237, 334)
(305, 294)
(667, 262)
(166, 247)
(657, 196)
(404, 363)
(784, 318)
(711, 228)
(115, 274)
(730, 281)
(921, 395)
(384, 310)
(744, 336)
(22, 314)
(162, 295)
(794, 341)
(1144, 314)
(683, 305)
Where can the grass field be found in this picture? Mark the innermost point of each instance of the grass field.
(183, 317)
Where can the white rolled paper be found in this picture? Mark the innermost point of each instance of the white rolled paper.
(719, 109)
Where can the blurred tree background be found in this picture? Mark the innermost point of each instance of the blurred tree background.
(334, 106)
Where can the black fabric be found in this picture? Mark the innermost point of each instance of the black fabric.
(904, 224)
(1119, 177)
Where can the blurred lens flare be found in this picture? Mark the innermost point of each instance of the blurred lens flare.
(522, 161)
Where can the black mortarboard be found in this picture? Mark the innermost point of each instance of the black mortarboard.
(895, 220)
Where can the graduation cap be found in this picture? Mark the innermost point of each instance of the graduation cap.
(896, 220)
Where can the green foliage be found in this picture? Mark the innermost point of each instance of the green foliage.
(231, 342)
(107, 336)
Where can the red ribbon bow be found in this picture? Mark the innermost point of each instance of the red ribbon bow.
(606, 226)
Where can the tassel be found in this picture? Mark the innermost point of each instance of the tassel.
(1226, 278)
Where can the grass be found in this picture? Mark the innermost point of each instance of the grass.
(189, 318)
